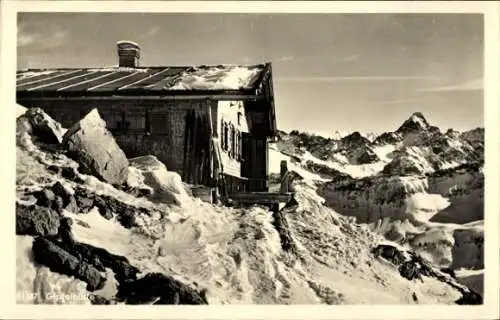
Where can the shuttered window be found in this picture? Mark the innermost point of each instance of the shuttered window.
(136, 122)
(232, 142)
(122, 121)
(238, 146)
(147, 122)
(225, 135)
(159, 123)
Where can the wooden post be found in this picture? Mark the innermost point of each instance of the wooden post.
(211, 149)
(284, 176)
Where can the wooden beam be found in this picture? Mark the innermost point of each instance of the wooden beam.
(260, 197)
(222, 95)
(284, 176)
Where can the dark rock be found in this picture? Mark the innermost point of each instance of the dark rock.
(470, 298)
(410, 270)
(387, 138)
(84, 200)
(474, 136)
(414, 297)
(90, 144)
(449, 271)
(58, 204)
(72, 205)
(58, 260)
(99, 300)
(44, 197)
(389, 253)
(127, 218)
(354, 140)
(366, 156)
(415, 267)
(41, 125)
(138, 192)
(101, 259)
(415, 123)
(321, 169)
(60, 190)
(158, 289)
(55, 169)
(64, 232)
(69, 173)
(36, 221)
(402, 165)
(104, 209)
(281, 225)
(108, 207)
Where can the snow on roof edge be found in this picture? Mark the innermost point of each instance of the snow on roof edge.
(127, 41)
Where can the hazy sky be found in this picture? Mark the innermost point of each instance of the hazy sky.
(347, 72)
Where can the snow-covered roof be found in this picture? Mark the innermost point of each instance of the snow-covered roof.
(127, 42)
(111, 79)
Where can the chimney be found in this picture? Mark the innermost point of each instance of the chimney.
(129, 53)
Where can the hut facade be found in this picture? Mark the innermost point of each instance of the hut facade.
(211, 124)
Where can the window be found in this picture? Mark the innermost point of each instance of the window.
(147, 122)
(240, 115)
(232, 143)
(159, 123)
(240, 149)
(238, 146)
(123, 121)
(117, 119)
(225, 137)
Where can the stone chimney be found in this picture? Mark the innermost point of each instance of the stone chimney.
(129, 53)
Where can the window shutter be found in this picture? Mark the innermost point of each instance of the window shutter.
(224, 135)
(148, 122)
(233, 142)
(237, 146)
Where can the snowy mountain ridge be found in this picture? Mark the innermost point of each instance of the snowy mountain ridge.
(416, 185)
(416, 147)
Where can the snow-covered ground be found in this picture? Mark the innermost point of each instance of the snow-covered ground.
(234, 253)
(447, 198)
(341, 164)
(275, 158)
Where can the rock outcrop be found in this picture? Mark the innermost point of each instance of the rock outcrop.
(283, 228)
(100, 259)
(412, 267)
(108, 207)
(36, 122)
(58, 260)
(156, 288)
(35, 220)
(90, 144)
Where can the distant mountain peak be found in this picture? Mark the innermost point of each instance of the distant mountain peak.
(355, 137)
(452, 133)
(339, 134)
(415, 122)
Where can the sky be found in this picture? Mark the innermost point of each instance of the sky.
(345, 72)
